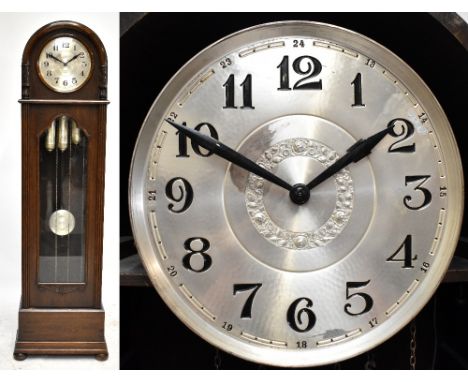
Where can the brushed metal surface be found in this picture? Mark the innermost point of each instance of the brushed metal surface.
(311, 282)
(62, 222)
(64, 64)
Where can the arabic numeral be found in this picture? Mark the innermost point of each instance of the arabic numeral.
(422, 191)
(246, 93)
(247, 309)
(172, 271)
(303, 319)
(425, 266)
(227, 326)
(357, 84)
(152, 195)
(172, 116)
(373, 322)
(179, 191)
(307, 66)
(197, 260)
(225, 63)
(366, 300)
(298, 44)
(403, 128)
(406, 249)
(183, 153)
(301, 344)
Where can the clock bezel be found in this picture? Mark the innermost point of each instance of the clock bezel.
(91, 59)
(400, 70)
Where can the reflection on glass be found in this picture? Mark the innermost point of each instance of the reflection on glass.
(63, 170)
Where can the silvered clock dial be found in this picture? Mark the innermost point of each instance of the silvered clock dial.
(296, 194)
(64, 64)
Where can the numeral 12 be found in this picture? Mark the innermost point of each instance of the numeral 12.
(307, 66)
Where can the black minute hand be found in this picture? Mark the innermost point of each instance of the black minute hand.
(229, 154)
(355, 153)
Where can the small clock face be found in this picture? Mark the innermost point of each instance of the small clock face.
(263, 271)
(64, 64)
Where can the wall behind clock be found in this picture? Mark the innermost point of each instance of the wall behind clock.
(15, 31)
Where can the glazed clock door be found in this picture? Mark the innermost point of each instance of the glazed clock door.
(63, 170)
(63, 211)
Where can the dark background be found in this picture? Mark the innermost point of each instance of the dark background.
(152, 51)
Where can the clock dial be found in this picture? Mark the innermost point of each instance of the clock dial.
(347, 229)
(64, 64)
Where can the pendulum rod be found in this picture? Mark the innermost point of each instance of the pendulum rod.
(81, 171)
(69, 206)
(62, 144)
(55, 209)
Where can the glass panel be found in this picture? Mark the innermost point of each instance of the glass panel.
(63, 173)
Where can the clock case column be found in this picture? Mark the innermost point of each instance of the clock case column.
(62, 318)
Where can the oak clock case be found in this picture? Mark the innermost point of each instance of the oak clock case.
(258, 269)
(63, 106)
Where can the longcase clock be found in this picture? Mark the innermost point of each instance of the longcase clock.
(63, 105)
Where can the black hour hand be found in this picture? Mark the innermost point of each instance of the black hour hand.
(50, 55)
(73, 58)
(355, 153)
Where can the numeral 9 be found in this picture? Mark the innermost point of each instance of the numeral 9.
(179, 190)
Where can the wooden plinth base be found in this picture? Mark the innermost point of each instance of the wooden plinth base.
(61, 332)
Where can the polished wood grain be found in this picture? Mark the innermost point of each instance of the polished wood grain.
(62, 318)
(61, 332)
